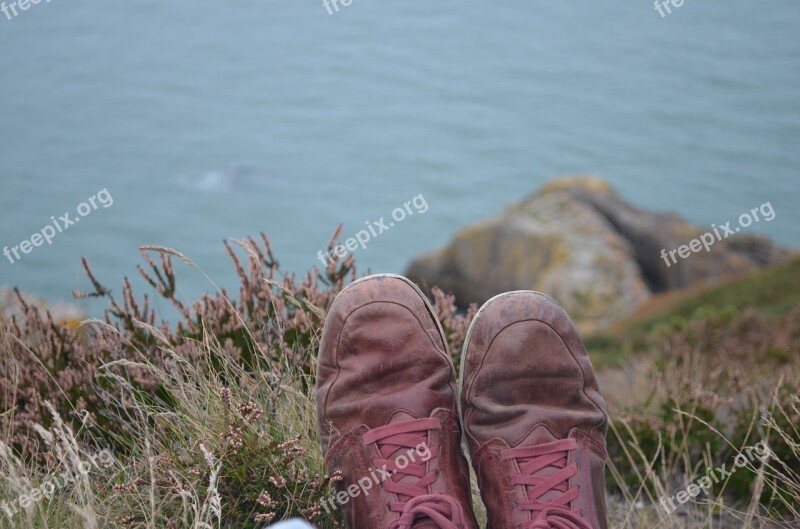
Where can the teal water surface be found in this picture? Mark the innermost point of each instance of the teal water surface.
(211, 120)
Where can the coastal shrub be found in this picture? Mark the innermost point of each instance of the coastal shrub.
(211, 417)
(718, 382)
(212, 413)
(271, 325)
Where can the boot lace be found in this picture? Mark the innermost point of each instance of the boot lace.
(543, 470)
(399, 442)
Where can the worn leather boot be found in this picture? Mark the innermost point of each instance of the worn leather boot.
(386, 409)
(534, 417)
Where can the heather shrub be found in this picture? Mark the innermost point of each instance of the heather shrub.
(271, 325)
(237, 454)
(713, 384)
(211, 416)
(212, 423)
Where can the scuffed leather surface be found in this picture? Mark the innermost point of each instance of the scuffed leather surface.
(528, 380)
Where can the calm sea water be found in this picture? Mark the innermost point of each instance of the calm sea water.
(211, 120)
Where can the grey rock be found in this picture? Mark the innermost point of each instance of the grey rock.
(577, 240)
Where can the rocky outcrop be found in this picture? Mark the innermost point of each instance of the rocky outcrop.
(580, 242)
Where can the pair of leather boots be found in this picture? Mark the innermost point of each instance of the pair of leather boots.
(390, 413)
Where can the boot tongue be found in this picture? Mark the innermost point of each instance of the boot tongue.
(538, 436)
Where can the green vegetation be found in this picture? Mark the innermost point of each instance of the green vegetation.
(772, 292)
(211, 419)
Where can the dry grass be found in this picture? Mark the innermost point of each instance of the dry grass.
(212, 424)
(708, 388)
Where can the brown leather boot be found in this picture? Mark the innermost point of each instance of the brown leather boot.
(386, 410)
(534, 417)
